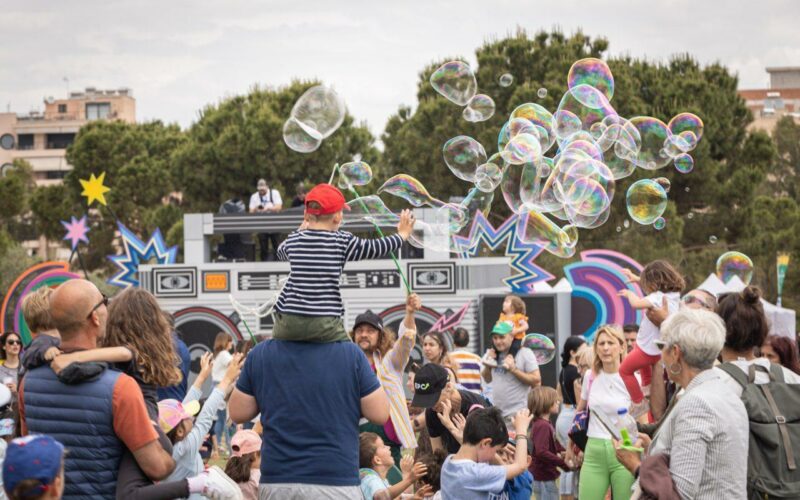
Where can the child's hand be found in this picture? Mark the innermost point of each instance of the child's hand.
(51, 353)
(406, 224)
(459, 421)
(423, 491)
(632, 278)
(206, 364)
(234, 368)
(60, 362)
(491, 354)
(522, 420)
(628, 294)
(413, 303)
(509, 363)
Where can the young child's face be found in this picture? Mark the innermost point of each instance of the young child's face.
(384, 453)
(507, 306)
(554, 410)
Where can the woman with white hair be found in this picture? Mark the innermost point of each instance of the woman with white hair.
(702, 441)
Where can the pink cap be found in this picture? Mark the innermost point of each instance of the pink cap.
(172, 412)
(244, 442)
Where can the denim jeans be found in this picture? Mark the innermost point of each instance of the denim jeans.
(545, 490)
(220, 427)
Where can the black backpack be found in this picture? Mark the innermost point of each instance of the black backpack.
(774, 413)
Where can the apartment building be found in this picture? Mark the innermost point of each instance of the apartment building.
(782, 98)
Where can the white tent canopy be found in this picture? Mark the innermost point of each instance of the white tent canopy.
(781, 321)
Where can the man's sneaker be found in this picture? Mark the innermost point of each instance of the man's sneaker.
(490, 362)
(219, 486)
(639, 409)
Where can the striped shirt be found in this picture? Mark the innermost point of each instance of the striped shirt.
(469, 370)
(316, 260)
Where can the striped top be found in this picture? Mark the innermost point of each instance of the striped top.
(469, 370)
(316, 260)
(390, 370)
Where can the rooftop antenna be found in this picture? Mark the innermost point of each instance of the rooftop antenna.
(66, 81)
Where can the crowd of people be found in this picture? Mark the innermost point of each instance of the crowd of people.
(696, 402)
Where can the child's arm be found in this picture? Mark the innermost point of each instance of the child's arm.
(632, 278)
(361, 249)
(40, 351)
(520, 326)
(411, 472)
(103, 354)
(202, 424)
(635, 301)
(522, 421)
(196, 391)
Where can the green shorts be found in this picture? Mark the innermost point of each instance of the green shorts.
(320, 329)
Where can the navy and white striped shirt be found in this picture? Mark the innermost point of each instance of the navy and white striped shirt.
(316, 261)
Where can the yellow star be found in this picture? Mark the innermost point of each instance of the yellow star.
(93, 189)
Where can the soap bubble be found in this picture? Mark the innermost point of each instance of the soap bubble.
(619, 229)
(732, 264)
(593, 72)
(541, 93)
(320, 108)
(684, 163)
(664, 183)
(688, 126)
(626, 223)
(408, 188)
(435, 237)
(646, 201)
(541, 120)
(537, 229)
(506, 79)
(455, 81)
(300, 138)
(650, 135)
(488, 176)
(659, 224)
(463, 155)
(580, 108)
(522, 148)
(543, 348)
(690, 215)
(354, 173)
(372, 209)
(514, 177)
(712, 239)
(480, 108)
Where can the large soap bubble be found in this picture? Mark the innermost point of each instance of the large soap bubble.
(371, 209)
(320, 108)
(463, 155)
(455, 81)
(301, 138)
(536, 228)
(593, 72)
(646, 201)
(539, 118)
(408, 188)
(651, 137)
(580, 108)
(732, 264)
(479, 109)
(354, 173)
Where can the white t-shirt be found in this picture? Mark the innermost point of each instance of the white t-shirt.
(608, 394)
(648, 332)
(761, 378)
(221, 363)
(269, 200)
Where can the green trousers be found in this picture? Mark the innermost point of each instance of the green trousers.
(600, 470)
(320, 329)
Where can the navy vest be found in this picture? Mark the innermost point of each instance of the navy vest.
(81, 418)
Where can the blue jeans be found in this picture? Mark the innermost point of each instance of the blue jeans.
(545, 490)
(220, 428)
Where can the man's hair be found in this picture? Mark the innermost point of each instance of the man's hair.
(460, 337)
(630, 328)
(318, 218)
(485, 423)
(541, 399)
(386, 339)
(36, 310)
(367, 447)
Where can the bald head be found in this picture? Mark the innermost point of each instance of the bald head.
(70, 305)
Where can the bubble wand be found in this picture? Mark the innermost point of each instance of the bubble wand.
(377, 227)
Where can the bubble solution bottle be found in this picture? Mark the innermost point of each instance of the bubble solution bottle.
(627, 427)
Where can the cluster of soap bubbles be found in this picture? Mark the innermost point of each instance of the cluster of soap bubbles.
(737, 264)
(456, 81)
(315, 116)
(557, 169)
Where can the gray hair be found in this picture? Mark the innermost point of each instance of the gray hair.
(700, 335)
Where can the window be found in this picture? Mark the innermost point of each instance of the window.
(62, 108)
(59, 141)
(25, 141)
(55, 174)
(97, 110)
(7, 141)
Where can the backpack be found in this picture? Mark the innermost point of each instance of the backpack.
(773, 410)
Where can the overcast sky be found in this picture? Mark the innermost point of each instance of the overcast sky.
(179, 55)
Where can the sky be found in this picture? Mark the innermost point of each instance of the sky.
(178, 56)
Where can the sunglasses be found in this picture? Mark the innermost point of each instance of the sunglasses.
(13, 342)
(103, 302)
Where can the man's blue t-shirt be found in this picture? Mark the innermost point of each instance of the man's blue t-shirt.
(309, 396)
(178, 391)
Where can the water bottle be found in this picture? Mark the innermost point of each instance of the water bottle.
(627, 427)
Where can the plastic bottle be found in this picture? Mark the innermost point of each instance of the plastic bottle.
(627, 427)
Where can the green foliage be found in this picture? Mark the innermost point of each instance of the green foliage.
(14, 189)
(14, 260)
(240, 140)
(50, 205)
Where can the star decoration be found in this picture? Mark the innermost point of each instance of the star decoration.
(135, 252)
(93, 189)
(76, 230)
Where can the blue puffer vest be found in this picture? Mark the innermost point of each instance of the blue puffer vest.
(81, 418)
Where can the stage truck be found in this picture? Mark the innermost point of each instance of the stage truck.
(466, 292)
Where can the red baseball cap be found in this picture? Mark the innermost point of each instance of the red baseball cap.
(329, 198)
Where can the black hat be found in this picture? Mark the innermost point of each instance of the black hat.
(369, 318)
(429, 382)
